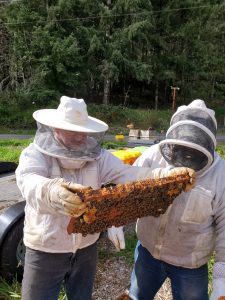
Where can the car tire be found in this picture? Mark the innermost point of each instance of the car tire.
(12, 253)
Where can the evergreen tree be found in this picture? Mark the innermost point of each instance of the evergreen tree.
(109, 48)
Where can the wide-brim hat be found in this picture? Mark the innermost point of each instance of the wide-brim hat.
(71, 115)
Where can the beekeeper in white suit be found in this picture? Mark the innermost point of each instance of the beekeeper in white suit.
(179, 244)
(66, 149)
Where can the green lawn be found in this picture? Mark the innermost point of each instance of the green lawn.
(10, 149)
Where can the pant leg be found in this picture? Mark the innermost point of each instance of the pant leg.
(79, 280)
(43, 274)
(147, 276)
(188, 284)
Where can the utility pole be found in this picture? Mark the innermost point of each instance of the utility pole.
(174, 89)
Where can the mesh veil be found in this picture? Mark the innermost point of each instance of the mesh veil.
(190, 140)
(45, 141)
(196, 115)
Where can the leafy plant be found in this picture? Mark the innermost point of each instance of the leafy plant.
(221, 151)
(13, 291)
(9, 291)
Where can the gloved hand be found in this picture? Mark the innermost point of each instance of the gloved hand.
(116, 236)
(63, 198)
(183, 170)
(218, 289)
(170, 171)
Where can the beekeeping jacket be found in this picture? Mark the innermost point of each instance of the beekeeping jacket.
(44, 228)
(194, 225)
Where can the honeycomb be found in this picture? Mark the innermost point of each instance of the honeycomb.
(123, 203)
(124, 297)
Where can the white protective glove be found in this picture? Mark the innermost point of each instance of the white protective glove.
(64, 199)
(218, 281)
(116, 236)
(170, 171)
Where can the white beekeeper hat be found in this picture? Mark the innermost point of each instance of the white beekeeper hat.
(196, 107)
(71, 115)
(191, 138)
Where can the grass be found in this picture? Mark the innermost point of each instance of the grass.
(221, 151)
(9, 291)
(13, 291)
(210, 273)
(127, 253)
(10, 150)
(117, 117)
(7, 130)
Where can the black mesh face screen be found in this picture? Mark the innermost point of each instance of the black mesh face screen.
(196, 115)
(182, 156)
(193, 134)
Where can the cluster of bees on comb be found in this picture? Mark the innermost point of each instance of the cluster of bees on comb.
(123, 203)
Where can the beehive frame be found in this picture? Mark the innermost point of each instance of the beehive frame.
(124, 203)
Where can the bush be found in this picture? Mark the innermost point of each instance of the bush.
(120, 117)
(16, 112)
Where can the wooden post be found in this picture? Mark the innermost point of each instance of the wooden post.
(174, 89)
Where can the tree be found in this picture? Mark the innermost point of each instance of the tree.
(112, 49)
(188, 45)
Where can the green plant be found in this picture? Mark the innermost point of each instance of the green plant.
(113, 145)
(10, 150)
(9, 291)
(13, 291)
(210, 272)
(14, 116)
(221, 151)
(128, 252)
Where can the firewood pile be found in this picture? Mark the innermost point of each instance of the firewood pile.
(123, 203)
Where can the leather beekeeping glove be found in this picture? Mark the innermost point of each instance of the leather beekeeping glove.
(170, 171)
(116, 236)
(64, 198)
(183, 170)
(218, 281)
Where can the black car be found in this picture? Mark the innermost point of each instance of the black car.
(12, 249)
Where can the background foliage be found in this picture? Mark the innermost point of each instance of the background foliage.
(123, 52)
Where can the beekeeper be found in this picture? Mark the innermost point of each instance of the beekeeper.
(178, 244)
(66, 149)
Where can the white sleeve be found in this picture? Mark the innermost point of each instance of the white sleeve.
(112, 169)
(33, 180)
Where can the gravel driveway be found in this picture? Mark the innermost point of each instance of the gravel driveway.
(113, 274)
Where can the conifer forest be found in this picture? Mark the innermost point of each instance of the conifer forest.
(135, 53)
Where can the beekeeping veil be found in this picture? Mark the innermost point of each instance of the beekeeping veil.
(72, 116)
(190, 140)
